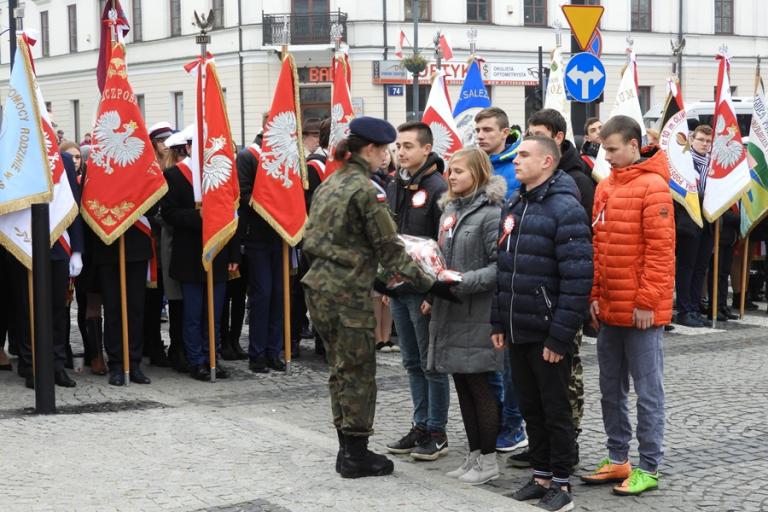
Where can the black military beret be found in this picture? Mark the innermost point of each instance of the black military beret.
(378, 131)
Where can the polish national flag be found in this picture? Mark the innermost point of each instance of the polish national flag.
(439, 116)
(445, 48)
(399, 46)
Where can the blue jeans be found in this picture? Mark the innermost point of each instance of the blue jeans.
(623, 352)
(195, 330)
(265, 299)
(430, 391)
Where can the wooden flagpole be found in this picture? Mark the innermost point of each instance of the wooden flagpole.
(203, 39)
(744, 276)
(124, 313)
(286, 273)
(715, 271)
(31, 297)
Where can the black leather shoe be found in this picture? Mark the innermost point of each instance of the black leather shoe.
(222, 372)
(276, 364)
(200, 372)
(258, 365)
(117, 378)
(62, 379)
(29, 381)
(138, 377)
(242, 355)
(729, 314)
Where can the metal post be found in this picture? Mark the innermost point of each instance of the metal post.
(541, 78)
(45, 396)
(416, 13)
(12, 28)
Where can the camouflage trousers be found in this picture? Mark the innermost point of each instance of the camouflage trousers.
(576, 385)
(348, 336)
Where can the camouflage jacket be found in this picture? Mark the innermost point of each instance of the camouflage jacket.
(349, 233)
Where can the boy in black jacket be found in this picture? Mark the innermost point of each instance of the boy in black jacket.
(544, 280)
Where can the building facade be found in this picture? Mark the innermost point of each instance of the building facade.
(245, 42)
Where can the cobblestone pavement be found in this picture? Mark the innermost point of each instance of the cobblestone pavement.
(265, 442)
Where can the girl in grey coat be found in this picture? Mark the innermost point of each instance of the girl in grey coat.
(460, 334)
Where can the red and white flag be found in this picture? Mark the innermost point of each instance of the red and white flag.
(728, 176)
(124, 179)
(438, 114)
(281, 178)
(399, 46)
(445, 47)
(341, 110)
(216, 186)
(16, 227)
(122, 27)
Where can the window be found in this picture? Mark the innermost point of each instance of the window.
(45, 40)
(423, 93)
(178, 110)
(136, 26)
(175, 17)
(72, 17)
(644, 98)
(140, 103)
(641, 15)
(478, 11)
(218, 13)
(723, 16)
(76, 119)
(535, 13)
(425, 10)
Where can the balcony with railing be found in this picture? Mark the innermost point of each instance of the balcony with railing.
(295, 29)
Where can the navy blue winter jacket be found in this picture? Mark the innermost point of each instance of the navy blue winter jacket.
(544, 265)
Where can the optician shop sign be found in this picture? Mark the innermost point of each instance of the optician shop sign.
(392, 72)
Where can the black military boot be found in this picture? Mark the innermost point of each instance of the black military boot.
(340, 455)
(358, 461)
(234, 340)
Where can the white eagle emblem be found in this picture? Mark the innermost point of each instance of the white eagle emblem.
(216, 168)
(725, 150)
(53, 156)
(339, 125)
(443, 139)
(113, 146)
(281, 137)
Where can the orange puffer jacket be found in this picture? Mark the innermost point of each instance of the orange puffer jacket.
(634, 242)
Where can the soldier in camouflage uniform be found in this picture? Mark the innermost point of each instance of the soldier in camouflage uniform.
(349, 233)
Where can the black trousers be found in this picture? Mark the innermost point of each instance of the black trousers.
(17, 302)
(541, 389)
(176, 325)
(153, 305)
(725, 259)
(479, 410)
(233, 314)
(60, 311)
(136, 281)
(692, 256)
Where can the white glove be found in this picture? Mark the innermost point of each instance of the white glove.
(75, 264)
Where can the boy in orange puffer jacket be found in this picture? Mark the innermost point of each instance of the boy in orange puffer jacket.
(631, 300)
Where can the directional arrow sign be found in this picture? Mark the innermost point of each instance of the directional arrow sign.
(583, 20)
(584, 77)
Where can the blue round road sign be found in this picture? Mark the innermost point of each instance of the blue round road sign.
(584, 77)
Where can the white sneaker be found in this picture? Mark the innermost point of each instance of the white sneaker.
(393, 347)
(485, 469)
(469, 461)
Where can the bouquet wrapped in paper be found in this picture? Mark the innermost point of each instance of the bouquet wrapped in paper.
(428, 256)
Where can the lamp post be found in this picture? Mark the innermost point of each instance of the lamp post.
(416, 12)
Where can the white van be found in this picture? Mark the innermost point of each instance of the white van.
(704, 112)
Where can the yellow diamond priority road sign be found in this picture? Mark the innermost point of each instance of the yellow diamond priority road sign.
(583, 20)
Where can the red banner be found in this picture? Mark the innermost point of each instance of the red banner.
(216, 157)
(341, 110)
(124, 180)
(278, 192)
(120, 22)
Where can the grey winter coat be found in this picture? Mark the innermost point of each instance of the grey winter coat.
(460, 334)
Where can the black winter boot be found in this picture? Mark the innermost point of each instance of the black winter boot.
(340, 455)
(359, 461)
